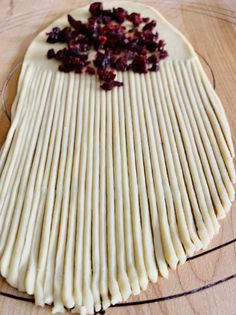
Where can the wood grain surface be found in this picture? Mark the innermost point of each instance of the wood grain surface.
(205, 284)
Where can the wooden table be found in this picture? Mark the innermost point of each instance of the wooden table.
(206, 284)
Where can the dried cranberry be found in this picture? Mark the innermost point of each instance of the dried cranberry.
(74, 23)
(129, 55)
(65, 35)
(118, 84)
(117, 47)
(161, 44)
(96, 8)
(134, 45)
(145, 20)
(53, 35)
(143, 51)
(61, 54)
(151, 46)
(91, 27)
(102, 60)
(140, 64)
(113, 61)
(78, 48)
(102, 39)
(121, 64)
(90, 70)
(63, 68)
(163, 54)
(150, 26)
(154, 67)
(149, 36)
(106, 75)
(107, 85)
(51, 53)
(120, 15)
(135, 18)
(107, 16)
(153, 59)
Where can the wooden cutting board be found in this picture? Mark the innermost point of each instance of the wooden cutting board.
(206, 284)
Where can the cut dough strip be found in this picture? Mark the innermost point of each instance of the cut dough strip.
(128, 227)
(62, 197)
(34, 185)
(23, 106)
(225, 156)
(181, 111)
(103, 210)
(119, 208)
(179, 153)
(5, 212)
(201, 139)
(111, 228)
(151, 123)
(156, 197)
(95, 260)
(49, 207)
(166, 164)
(68, 277)
(78, 278)
(21, 172)
(145, 216)
(32, 243)
(194, 92)
(134, 197)
(88, 301)
(27, 195)
(217, 106)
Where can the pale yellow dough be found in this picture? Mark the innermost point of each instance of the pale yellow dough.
(101, 191)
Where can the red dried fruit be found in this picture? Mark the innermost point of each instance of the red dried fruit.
(154, 67)
(65, 35)
(96, 8)
(153, 59)
(118, 47)
(53, 35)
(107, 85)
(90, 70)
(129, 55)
(102, 39)
(150, 26)
(140, 64)
(118, 84)
(161, 44)
(102, 60)
(120, 15)
(106, 75)
(107, 16)
(121, 64)
(63, 68)
(163, 54)
(74, 23)
(151, 45)
(149, 35)
(145, 20)
(51, 53)
(135, 18)
(61, 54)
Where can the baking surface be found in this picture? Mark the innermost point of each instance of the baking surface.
(206, 284)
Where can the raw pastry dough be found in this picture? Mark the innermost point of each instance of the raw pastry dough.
(101, 191)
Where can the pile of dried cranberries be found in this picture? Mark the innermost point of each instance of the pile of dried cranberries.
(118, 47)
